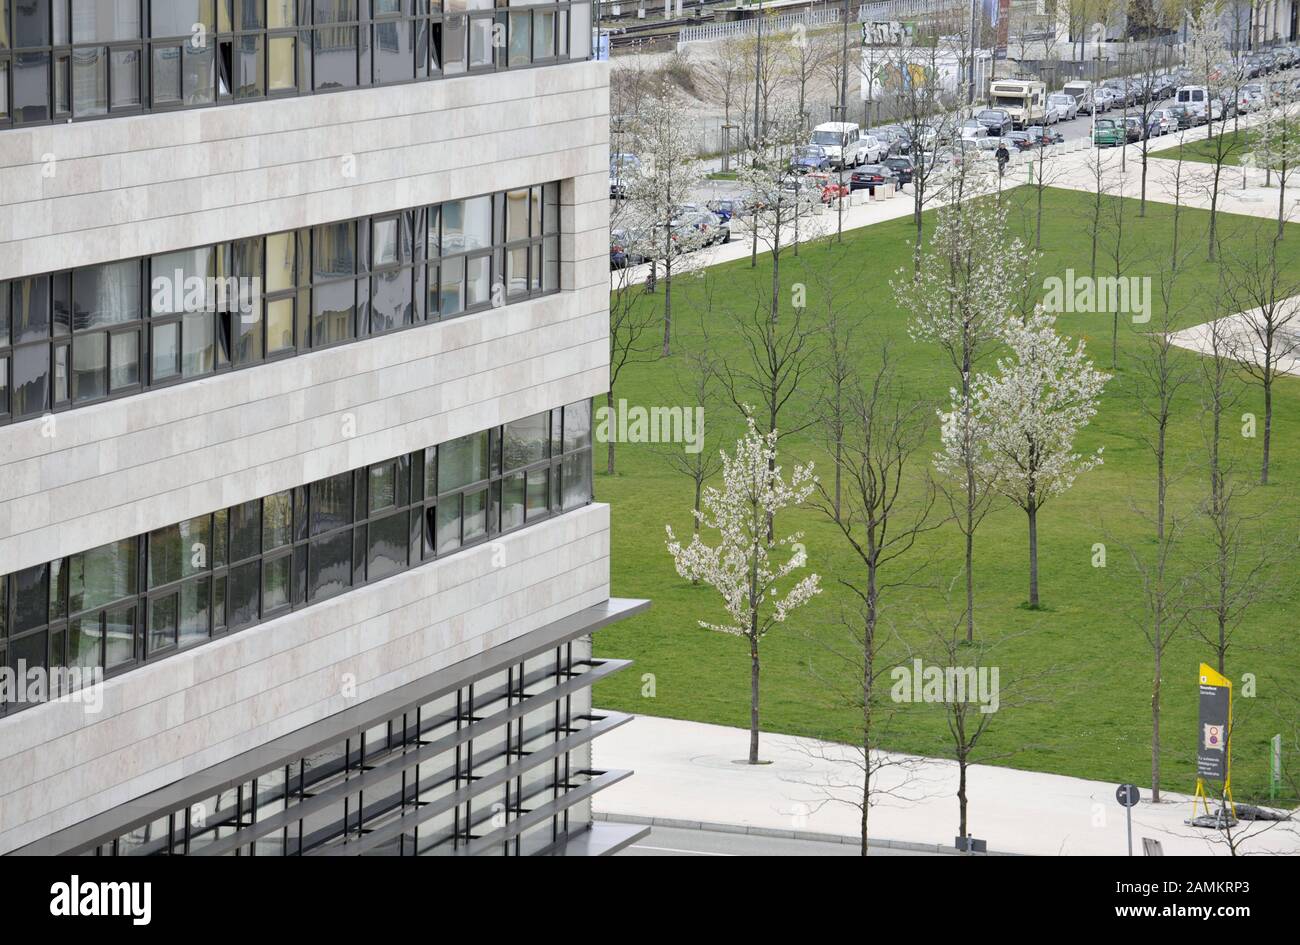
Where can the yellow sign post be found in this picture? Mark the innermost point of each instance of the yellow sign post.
(1214, 738)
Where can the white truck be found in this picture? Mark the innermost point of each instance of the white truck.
(1025, 100)
(1196, 99)
(1082, 91)
(845, 144)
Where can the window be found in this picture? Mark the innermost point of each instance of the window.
(80, 336)
(218, 573)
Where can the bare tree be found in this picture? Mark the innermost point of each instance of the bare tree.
(881, 522)
(630, 323)
(696, 378)
(1264, 340)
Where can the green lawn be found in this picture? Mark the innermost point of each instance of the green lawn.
(1234, 145)
(1096, 722)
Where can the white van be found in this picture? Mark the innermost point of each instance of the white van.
(845, 144)
(1081, 91)
(1196, 98)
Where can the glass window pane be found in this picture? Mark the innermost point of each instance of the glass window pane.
(394, 56)
(331, 503)
(119, 636)
(281, 74)
(448, 528)
(333, 250)
(30, 309)
(248, 67)
(89, 367)
(194, 608)
(31, 598)
(166, 351)
(383, 242)
(198, 74)
(451, 287)
(478, 281)
(577, 426)
(198, 351)
(84, 642)
(281, 261)
(277, 577)
(391, 302)
(124, 360)
(243, 590)
(279, 326)
(332, 312)
(454, 32)
(90, 81)
(543, 34)
(180, 17)
(166, 74)
(281, 13)
(31, 378)
(329, 570)
(383, 486)
(475, 515)
(462, 461)
(480, 41)
(520, 38)
(526, 441)
(105, 295)
(576, 479)
(277, 520)
(31, 87)
(512, 502)
(164, 618)
(103, 20)
(538, 488)
(335, 57)
(179, 551)
(245, 530)
(102, 575)
(31, 24)
(125, 90)
(387, 546)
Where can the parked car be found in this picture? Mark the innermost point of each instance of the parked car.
(1183, 115)
(870, 176)
(1021, 140)
(1164, 121)
(996, 121)
(725, 208)
(1045, 136)
(706, 223)
(1106, 133)
(810, 157)
(1133, 128)
(622, 168)
(970, 130)
(902, 167)
(1104, 98)
(1065, 107)
(621, 255)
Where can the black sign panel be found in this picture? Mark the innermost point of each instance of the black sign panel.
(1212, 735)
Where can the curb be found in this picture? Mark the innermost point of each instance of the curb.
(784, 834)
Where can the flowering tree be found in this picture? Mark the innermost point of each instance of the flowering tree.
(1277, 148)
(972, 274)
(741, 566)
(1028, 414)
(668, 174)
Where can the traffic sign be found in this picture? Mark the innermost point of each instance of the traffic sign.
(1128, 795)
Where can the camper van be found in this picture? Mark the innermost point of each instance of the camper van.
(846, 145)
(1024, 100)
(1082, 92)
(1196, 99)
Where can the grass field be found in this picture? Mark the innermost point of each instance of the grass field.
(1097, 721)
(1236, 144)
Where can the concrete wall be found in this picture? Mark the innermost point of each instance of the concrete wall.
(135, 186)
(60, 764)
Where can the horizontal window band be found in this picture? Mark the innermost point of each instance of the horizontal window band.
(350, 723)
(604, 722)
(78, 337)
(50, 76)
(378, 774)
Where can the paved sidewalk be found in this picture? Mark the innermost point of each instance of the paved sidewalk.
(687, 771)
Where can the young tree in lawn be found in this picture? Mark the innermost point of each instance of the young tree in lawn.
(773, 192)
(697, 379)
(753, 573)
(630, 323)
(1262, 288)
(881, 517)
(840, 329)
(1207, 56)
(664, 141)
(1030, 412)
(1277, 148)
(972, 275)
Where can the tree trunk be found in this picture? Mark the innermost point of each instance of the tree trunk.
(961, 794)
(1033, 554)
(1155, 728)
(609, 405)
(753, 698)
(668, 307)
(1268, 423)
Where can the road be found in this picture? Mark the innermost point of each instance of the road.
(681, 841)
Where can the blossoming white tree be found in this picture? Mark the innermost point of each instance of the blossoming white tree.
(1028, 414)
(756, 589)
(972, 274)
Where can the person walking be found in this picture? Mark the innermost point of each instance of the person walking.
(1003, 156)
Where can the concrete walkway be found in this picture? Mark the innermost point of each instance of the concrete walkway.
(687, 771)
